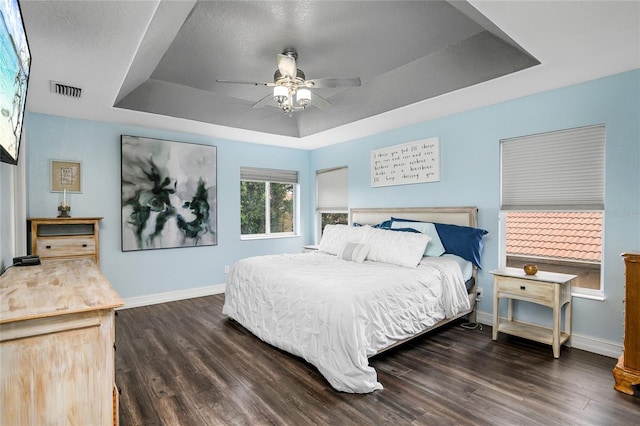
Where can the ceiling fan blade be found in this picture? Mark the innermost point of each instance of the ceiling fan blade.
(318, 101)
(287, 65)
(263, 102)
(245, 82)
(335, 82)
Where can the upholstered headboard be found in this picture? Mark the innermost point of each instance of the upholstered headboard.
(465, 216)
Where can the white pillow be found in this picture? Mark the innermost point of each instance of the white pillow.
(354, 252)
(335, 236)
(435, 246)
(398, 248)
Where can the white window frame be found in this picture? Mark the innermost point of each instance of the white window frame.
(585, 293)
(319, 220)
(333, 208)
(595, 200)
(296, 209)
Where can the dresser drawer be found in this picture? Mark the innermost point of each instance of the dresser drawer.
(66, 246)
(525, 289)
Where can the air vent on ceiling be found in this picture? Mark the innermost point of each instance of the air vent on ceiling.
(65, 89)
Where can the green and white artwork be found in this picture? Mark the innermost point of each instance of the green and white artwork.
(168, 194)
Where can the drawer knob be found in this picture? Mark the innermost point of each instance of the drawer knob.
(522, 287)
(84, 245)
(48, 247)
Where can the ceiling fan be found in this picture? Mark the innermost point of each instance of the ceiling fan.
(289, 82)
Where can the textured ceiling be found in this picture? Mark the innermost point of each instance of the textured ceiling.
(112, 49)
(403, 51)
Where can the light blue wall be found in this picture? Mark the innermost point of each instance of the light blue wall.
(97, 146)
(469, 176)
(469, 151)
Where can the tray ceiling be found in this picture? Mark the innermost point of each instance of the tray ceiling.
(403, 51)
(154, 63)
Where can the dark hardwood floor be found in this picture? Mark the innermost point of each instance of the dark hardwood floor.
(184, 363)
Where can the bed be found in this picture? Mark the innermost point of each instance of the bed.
(369, 287)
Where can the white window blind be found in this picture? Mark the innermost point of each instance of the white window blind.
(561, 170)
(332, 189)
(256, 174)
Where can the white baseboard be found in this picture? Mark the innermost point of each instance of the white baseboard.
(171, 296)
(585, 343)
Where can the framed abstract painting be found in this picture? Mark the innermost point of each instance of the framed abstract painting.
(169, 194)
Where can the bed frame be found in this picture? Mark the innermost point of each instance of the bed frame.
(465, 216)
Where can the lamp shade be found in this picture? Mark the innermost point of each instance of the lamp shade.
(280, 91)
(303, 94)
(303, 97)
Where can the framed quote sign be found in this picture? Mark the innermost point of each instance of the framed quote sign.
(413, 162)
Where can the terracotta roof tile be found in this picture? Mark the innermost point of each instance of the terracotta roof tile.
(557, 235)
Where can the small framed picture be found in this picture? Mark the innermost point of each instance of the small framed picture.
(66, 176)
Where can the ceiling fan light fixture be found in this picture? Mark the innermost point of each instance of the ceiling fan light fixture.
(291, 87)
(303, 97)
(280, 94)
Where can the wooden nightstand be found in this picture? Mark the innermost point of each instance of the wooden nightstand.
(545, 288)
(65, 238)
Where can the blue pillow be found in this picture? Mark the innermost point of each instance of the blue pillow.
(415, 231)
(386, 225)
(463, 241)
(382, 225)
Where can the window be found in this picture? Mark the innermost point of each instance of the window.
(552, 203)
(332, 197)
(268, 202)
(569, 242)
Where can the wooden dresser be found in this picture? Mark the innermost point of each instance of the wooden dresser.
(627, 371)
(57, 331)
(65, 238)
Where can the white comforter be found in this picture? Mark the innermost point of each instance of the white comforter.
(335, 313)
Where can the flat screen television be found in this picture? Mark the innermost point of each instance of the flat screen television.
(15, 63)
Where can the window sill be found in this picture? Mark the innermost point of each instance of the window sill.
(596, 295)
(267, 237)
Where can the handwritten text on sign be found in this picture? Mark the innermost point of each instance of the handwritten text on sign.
(413, 162)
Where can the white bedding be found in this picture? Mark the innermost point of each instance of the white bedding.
(335, 313)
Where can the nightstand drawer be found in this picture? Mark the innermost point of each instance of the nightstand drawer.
(66, 246)
(65, 237)
(521, 288)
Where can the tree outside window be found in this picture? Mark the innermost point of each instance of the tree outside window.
(333, 219)
(267, 208)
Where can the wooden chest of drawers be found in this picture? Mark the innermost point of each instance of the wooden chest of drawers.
(627, 370)
(65, 238)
